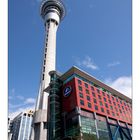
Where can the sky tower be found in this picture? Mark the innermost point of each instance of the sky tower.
(52, 12)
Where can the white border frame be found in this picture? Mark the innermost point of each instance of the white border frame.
(136, 67)
(3, 69)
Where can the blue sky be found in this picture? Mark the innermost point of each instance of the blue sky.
(95, 35)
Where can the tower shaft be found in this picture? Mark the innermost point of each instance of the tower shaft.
(52, 12)
(41, 110)
(49, 63)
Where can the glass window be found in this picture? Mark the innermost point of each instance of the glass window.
(81, 102)
(88, 128)
(112, 98)
(45, 50)
(113, 114)
(110, 101)
(43, 69)
(93, 94)
(102, 109)
(118, 105)
(80, 88)
(92, 87)
(103, 93)
(99, 97)
(45, 55)
(88, 98)
(44, 62)
(79, 82)
(43, 77)
(114, 103)
(87, 91)
(101, 104)
(113, 130)
(95, 101)
(108, 112)
(120, 110)
(104, 99)
(108, 96)
(81, 95)
(89, 105)
(116, 99)
(103, 130)
(86, 85)
(96, 107)
(98, 90)
(116, 109)
(106, 105)
(111, 107)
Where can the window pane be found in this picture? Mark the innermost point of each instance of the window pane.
(88, 98)
(79, 82)
(81, 102)
(80, 88)
(89, 105)
(87, 91)
(86, 85)
(95, 101)
(88, 128)
(81, 95)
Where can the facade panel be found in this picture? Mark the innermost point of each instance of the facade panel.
(69, 102)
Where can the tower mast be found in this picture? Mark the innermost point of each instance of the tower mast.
(52, 12)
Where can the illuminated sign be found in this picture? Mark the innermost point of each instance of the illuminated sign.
(67, 91)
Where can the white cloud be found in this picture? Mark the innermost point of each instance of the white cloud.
(20, 97)
(87, 62)
(19, 110)
(30, 101)
(122, 84)
(24, 103)
(114, 64)
(13, 106)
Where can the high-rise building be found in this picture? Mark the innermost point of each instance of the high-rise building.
(20, 126)
(9, 129)
(52, 12)
(84, 108)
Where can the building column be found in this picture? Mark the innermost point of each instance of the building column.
(96, 126)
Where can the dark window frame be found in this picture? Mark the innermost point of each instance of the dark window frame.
(82, 102)
(88, 98)
(89, 105)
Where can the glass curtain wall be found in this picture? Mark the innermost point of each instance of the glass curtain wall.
(88, 128)
(102, 128)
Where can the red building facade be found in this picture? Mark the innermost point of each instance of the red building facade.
(94, 97)
(91, 98)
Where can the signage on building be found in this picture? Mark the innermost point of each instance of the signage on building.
(67, 91)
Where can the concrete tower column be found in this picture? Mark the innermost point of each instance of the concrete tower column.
(52, 12)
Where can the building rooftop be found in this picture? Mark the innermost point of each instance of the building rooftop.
(98, 83)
